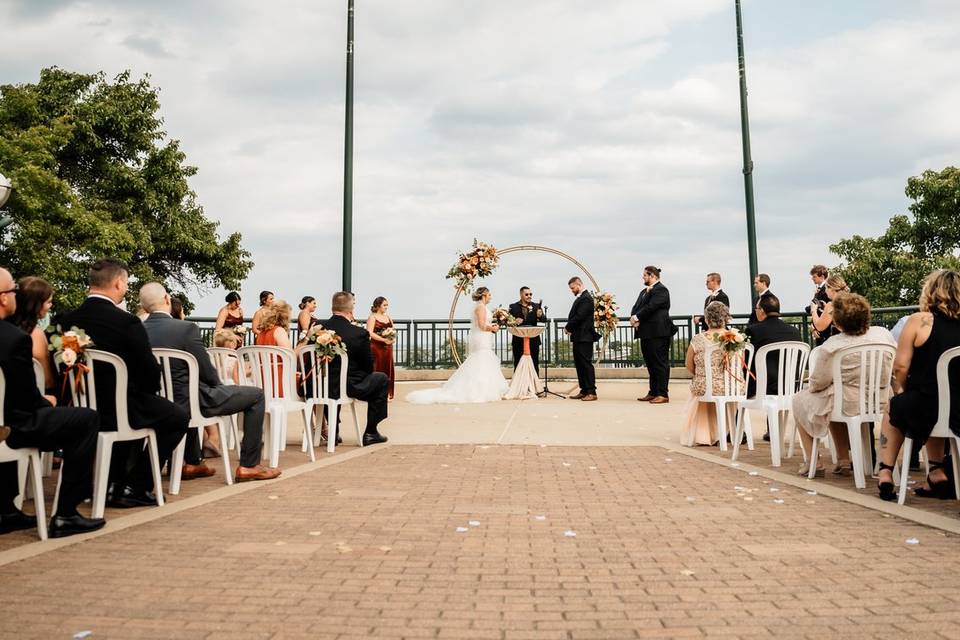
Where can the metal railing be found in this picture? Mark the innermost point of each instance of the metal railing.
(423, 344)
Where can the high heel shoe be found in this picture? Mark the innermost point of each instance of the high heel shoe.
(887, 490)
(942, 490)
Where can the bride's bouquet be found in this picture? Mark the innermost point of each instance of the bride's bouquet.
(504, 318)
(605, 313)
(480, 261)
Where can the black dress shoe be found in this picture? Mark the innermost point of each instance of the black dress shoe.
(373, 438)
(62, 526)
(128, 498)
(16, 521)
(766, 437)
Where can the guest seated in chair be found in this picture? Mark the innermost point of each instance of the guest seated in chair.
(702, 416)
(812, 406)
(216, 398)
(913, 410)
(768, 328)
(363, 383)
(114, 330)
(35, 422)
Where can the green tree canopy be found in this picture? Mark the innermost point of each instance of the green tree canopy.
(94, 176)
(889, 270)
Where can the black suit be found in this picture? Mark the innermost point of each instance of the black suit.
(363, 383)
(122, 334)
(580, 326)
(820, 298)
(753, 312)
(34, 422)
(718, 296)
(529, 318)
(655, 330)
(216, 398)
(771, 330)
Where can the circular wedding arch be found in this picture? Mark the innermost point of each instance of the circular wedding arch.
(503, 252)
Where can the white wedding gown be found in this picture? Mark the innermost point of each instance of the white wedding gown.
(479, 378)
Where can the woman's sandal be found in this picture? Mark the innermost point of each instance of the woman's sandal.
(888, 491)
(843, 470)
(942, 490)
(804, 471)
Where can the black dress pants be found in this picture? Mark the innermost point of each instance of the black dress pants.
(70, 429)
(372, 389)
(534, 352)
(656, 355)
(130, 463)
(583, 361)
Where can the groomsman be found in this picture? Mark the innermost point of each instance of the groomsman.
(530, 314)
(582, 335)
(761, 284)
(716, 295)
(650, 318)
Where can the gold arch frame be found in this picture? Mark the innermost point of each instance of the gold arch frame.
(503, 252)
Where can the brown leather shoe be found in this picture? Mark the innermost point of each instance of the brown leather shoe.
(646, 398)
(590, 397)
(4, 433)
(191, 471)
(259, 472)
(576, 397)
(660, 400)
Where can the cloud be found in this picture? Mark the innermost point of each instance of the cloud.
(145, 44)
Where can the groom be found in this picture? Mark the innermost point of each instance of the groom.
(582, 335)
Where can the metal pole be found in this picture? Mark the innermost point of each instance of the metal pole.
(747, 159)
(348, 161)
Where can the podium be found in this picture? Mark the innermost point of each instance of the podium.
(525, 383)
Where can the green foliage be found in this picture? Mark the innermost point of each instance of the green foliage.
(93, 176)
(889, 270)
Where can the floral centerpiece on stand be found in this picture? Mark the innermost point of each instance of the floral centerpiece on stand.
(605, 313)
(504, 318)
(480, 261)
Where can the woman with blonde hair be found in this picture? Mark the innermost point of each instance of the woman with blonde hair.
(274, 328)
(822, 317)
(913, 410)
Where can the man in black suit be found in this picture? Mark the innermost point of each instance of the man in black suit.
(761, 284)
(580, 328)
(716, 295)
(363, 383)
(769, 329)
(650, 318)
(121, 333)
(530, 314)
(819, 275)
(216, 398)
(35, 422)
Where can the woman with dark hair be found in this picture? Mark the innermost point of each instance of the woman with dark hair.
(34, 301)
(230, 315)
(305, 319)
(266, 299)
(176, 308)
(382, 346)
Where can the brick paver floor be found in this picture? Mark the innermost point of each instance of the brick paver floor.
(478, 542)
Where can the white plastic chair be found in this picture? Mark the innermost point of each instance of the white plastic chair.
(791, 364)
(734, 391)
(27, 459)
(86, 396)
(166, 357)
(320, 395)
(940, 430)
(46, 457)
(227, 362)
(874, 358)
(279, 389)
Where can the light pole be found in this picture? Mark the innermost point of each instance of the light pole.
(348, 161)
(747, 159)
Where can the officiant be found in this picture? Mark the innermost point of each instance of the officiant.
(530, 314)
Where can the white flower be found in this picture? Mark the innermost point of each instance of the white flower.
(69, 357)
(71, 334)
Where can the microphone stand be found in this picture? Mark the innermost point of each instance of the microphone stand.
(546, 384)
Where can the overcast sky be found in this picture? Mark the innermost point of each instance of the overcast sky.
(606, 129)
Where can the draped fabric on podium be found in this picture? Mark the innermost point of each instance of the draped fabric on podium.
(525, 382)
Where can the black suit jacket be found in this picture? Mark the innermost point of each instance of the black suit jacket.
(580, 319)
(360, 357)
(652, 309)
(771, 330)
(516, 310)
(22, 397)
(167, 332)
(753, 312)
(122, 334)
(719, 297)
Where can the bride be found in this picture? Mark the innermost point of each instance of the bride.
(479, 378)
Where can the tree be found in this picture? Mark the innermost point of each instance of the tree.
(889, 270)
(95, 176)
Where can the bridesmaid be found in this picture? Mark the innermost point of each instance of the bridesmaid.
(306, 320)
(266, 299)
(230, 315)
(382, 347)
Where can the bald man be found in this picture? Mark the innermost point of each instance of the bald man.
(35, 422)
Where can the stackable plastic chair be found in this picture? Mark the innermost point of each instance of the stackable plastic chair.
(320, 394)
(734, 392)
(274, 369)
(791, 365)
(226, 362)
(940, 430)
(874, 358)
(46, 457)
(166, 357)
(85, 395)
(28, 460)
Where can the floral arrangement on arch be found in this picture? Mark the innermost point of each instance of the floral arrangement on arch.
(605, 313)
(504, 318)
(327, 345)
(480, 261)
